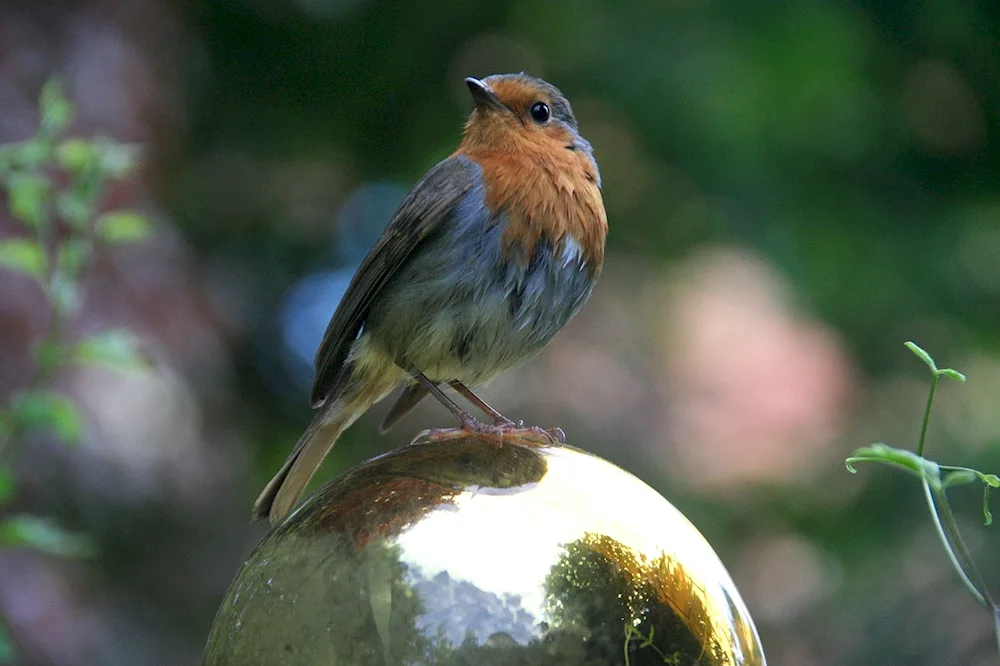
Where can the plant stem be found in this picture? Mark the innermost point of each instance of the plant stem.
(960, 556)
(954, 545)
(927, 413)
(996, 625)
(45, 368)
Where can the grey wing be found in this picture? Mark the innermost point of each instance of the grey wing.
(427, 204)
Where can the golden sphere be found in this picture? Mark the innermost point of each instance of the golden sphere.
(466, 552)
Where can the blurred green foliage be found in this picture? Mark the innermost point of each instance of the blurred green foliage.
(54, 186)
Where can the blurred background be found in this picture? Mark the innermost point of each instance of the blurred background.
(793, 188)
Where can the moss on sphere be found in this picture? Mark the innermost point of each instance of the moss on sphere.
(463, 552)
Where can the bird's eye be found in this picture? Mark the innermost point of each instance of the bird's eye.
(540, 112)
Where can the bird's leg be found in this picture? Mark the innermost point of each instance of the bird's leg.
(502, 427)
(463, 416)
(498, 418)
(505, 425)
(469, 422)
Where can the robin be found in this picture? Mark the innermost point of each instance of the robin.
(489, 255)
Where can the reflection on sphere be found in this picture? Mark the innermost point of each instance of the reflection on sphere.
(464, 552)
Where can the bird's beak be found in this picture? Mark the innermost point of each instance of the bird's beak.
(483, 96)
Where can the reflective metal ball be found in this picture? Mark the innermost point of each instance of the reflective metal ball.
(465, 552)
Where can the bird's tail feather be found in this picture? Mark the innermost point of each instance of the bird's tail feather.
(282, 492)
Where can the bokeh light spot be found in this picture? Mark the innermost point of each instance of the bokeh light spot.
(304, 315)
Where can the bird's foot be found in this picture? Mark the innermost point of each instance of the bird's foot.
(505, 429)
(497, 433)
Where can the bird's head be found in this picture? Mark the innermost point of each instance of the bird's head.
(512, 107)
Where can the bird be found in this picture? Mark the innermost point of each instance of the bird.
(488, 256)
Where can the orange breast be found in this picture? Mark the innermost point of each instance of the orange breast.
(548, 192)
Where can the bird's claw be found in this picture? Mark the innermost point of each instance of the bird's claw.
(497, 433)
(556, 434)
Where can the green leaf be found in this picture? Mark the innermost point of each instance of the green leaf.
(43, 535)
(8, 155)
(6, 485)
(952, 374)
(7, 652)
(28, 193)
(76, 154)
(65, 294)
(117, 160)
(49, 354)
(922, 355)
(55, 107)
(75, 207)
(987, 516)
(122, 227)
(958, 478)
(988, 479)
(33, 153)
(23, 255)
(117, 348)
(27, 156)
(901, 458)
(49, 411)
(73, 255)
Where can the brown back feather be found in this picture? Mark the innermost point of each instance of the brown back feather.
(427, 204)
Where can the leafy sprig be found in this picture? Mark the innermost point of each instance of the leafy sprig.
(54, 186)
(936, 479)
